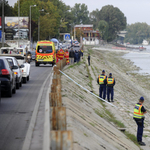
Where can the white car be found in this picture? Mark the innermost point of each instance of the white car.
(18, 72)
(25, 67)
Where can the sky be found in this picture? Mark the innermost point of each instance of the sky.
(134, 10)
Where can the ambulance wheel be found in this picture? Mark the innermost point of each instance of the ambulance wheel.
(36, 64)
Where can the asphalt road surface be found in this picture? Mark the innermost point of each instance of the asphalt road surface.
(16, 112)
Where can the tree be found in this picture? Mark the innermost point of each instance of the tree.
(115, 19)
(80, 14)
(94, 18)
(103, 28)
(8, 10)
(49, 19)
(137, 32)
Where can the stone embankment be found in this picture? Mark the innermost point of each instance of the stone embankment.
(95, 124)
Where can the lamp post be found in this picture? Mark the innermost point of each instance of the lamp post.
(30, 23)
(74, 33)
(3, 23)
(39, 26)
(18, 21)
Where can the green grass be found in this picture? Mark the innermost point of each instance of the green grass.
(92, 124)
(85, 134)
(132, 137)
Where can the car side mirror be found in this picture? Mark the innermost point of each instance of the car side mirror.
(14, 67)
(22, 66)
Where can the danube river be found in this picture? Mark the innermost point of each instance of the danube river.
(141, 59)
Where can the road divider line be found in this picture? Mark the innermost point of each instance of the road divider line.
(28, 138)
(87, 89)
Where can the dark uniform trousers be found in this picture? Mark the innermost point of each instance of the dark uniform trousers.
(140, 124)
(102, 89)
(110, 90)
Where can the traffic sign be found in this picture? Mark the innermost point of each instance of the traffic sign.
(67, 36)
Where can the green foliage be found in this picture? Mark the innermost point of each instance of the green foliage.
(8, 10)
(94, 18)
(103, 28)
(137, 32)
(80, 14)
(115, 19)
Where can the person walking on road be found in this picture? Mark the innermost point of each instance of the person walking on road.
(110, 85)
(71, 56)
(138, 116)
(76, 56)
(88, 59)
(102, 81)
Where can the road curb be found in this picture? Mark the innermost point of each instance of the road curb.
(28, 138)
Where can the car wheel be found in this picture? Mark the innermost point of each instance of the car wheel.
(9, 92)
(25, 80)
(17, 85)
(36, 64)
(14, 90)
(28, 78)
(21, 84)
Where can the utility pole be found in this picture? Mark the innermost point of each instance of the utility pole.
(18, 21)
(3, 23)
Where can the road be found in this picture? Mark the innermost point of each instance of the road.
(16, 112)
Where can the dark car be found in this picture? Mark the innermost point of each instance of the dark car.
(7, 77)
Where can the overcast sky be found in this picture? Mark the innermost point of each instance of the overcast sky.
(134, 10)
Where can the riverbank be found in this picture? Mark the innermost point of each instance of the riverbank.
(129, 87)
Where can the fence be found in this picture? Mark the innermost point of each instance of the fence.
(60, 138)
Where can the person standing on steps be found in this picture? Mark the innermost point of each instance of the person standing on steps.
(88, 59)
(110, 85)
(102, 81)
(138, 116)
(71, 56)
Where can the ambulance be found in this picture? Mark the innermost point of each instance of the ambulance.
(45, 53)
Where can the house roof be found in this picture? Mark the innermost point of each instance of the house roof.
(83, 25)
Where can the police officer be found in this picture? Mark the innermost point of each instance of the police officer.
(102, 80)
(110, 85)
(138, 116)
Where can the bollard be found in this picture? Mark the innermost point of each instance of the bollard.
(56, 81)
(55, 88)
(55, 99)
(61, 140)
(58, 118)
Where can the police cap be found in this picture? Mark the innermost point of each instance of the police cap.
(142, 98)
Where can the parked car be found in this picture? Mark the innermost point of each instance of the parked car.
(18, 72)
(7, 77)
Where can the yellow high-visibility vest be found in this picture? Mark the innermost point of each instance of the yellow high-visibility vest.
(101, 79)
(137, 112)
(110, 81)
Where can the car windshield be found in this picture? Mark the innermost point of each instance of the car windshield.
(1, 64)
(44, 49)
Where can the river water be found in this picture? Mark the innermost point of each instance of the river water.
(141, 59)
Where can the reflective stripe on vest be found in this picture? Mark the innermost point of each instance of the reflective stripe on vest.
(110, 81)
(101, 79)
(137, 111)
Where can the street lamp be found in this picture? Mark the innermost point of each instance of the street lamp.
(3, 23)
(30, 23)
(39, 26)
